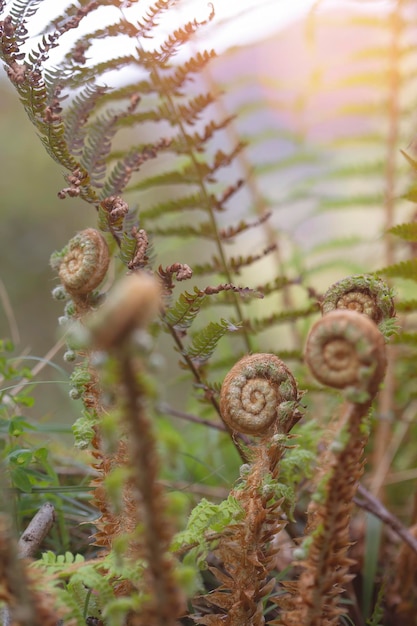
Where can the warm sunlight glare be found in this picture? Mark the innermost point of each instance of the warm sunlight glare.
(239, 22)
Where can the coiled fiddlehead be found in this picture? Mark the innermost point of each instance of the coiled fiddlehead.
(365, 294)
(259, 395)
(346, 350)
(83, 263)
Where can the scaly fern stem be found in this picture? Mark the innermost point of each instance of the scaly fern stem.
(165, 603)
(325, 568)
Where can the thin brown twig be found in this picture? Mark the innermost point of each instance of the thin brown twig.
(371, 504)
(168, 410)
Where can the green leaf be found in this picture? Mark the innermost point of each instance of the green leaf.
(207, 517)
(21, 480)
(404, 269)
(405, 231)
(24, 400)
(182, 314)
(205, 341)
(18, 425)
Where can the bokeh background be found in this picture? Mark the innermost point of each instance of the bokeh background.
(287, 74)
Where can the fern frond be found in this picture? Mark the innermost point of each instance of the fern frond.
(350, 202)
(205, 340)
(191, 112)
(98, 145)
(180, 36)
(182, 314)
(215, 265)
(148, 23)
(21, 11)
(186, 175)
(277, 284)
(81, 76)
(184, 203)
(258, 325)
(237, 263)
(122, 171)
(202, 230)
(206, 518)
(408, 231)
(77, 116)
(404, 269)
(183, 73)
(230, 232)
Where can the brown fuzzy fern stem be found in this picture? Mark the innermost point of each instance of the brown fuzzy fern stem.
(259, 396)
(131, 306)
(344, 350)
(166, 602)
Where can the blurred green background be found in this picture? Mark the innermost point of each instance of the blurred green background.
(34, 222)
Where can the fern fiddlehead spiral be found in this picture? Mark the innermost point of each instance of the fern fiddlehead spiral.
(346, 350)
(365, 294)
(83, 263)
(258, 395)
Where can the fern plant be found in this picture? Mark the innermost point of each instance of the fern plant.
(158, 166)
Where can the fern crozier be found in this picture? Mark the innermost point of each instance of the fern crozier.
(83, 263)
(254, 391)
(346, 350)
(365, 294)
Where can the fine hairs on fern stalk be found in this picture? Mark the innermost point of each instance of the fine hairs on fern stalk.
(344, 350)
(259, 397)
(130, 307)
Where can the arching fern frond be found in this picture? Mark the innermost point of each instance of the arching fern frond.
(206, 339)
(404, 269)
(408, 232)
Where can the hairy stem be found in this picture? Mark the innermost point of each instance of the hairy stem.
(166, 602)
